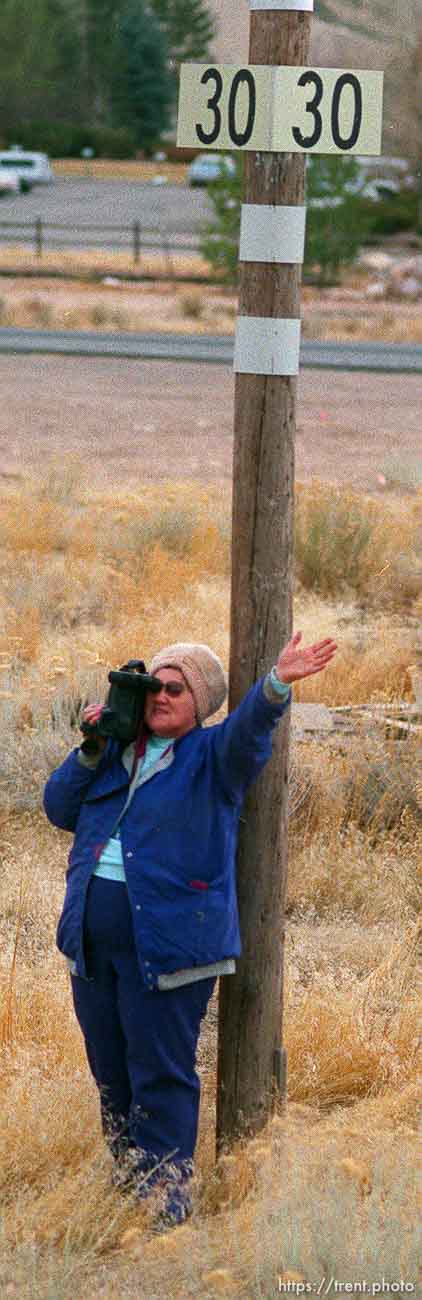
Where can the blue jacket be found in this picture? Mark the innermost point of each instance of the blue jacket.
(178, 836)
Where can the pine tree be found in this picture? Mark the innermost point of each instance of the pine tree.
(95, 21)
(141, 90)
(190, 27)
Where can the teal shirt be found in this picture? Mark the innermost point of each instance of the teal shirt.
(110, 864)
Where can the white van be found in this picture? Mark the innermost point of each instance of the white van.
(9, 183)
(31, 168)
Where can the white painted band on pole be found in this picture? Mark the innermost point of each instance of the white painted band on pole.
(272, 233)
(283, 4)
(266, 346)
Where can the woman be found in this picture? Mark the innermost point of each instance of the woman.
(150, 917)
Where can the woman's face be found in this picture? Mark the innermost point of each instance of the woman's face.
(170, 715)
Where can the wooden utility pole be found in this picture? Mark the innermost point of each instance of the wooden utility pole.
(251, 1061)
(276, 103)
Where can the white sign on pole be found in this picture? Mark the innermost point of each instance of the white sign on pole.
(280, 110)
(266, 345)
(266, 230)
(282, 4)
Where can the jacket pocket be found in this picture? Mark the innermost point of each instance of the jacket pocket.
(177, 930)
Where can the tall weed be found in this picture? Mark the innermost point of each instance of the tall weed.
(345, 541)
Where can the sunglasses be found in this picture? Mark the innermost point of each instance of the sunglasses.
(171, 688)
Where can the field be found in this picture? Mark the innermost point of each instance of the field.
(340, 315)
(101, 556)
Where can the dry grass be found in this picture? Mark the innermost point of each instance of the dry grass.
(95, 263)
(113, 306)
(384, 325)
(329, 1187)
(347, 545)
(347, 1140)
(105, 169)
(136, 306)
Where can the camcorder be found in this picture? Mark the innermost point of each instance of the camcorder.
(124, 708)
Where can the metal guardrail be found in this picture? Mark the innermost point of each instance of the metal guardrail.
(134, 237)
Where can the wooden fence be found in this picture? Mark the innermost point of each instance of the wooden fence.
(135, 237)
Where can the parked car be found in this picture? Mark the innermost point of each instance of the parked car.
(9, 182)
(30, 168)
(208, 166)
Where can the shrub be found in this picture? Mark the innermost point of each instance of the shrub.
(41, 310)
(333, 531)
(192, 305)
(99, 315)
(62, 480)
(219, 243)
(55, 138)
(62, 140)
(347, 541)
(336, 227)
(110, 142)
(390, 215)
(380, 790)
(172, 529)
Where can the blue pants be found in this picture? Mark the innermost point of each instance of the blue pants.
(140, 1043)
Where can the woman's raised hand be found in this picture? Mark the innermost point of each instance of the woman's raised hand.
(295, 662)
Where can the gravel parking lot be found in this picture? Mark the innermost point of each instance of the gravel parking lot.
(131, 421)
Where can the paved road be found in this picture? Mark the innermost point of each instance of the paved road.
(384, 358)
(84, 201)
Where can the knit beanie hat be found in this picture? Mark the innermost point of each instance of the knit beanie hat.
(203, 671)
